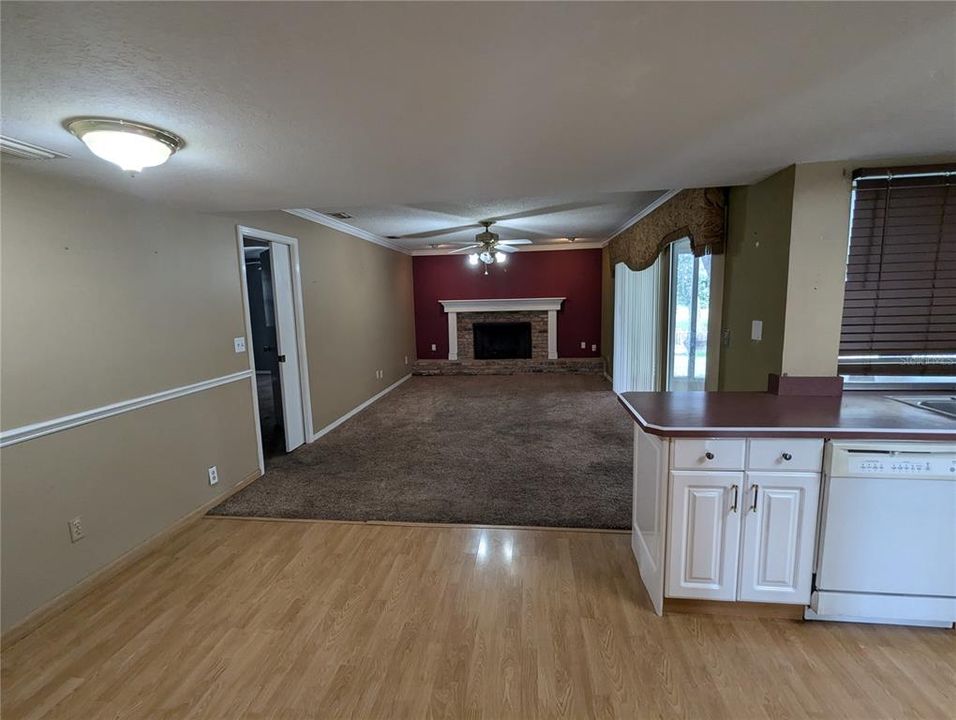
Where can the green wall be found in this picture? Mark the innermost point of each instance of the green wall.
(755, 281)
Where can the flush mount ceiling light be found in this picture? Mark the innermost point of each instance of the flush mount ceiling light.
(130, 145)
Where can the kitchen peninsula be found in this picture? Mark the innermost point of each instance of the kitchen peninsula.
(730, 500)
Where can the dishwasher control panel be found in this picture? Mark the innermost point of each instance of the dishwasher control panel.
(889, 465)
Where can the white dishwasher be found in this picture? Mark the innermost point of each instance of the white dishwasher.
(886, 548)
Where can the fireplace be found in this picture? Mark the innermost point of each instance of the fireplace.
(502, 340)
(541, 314)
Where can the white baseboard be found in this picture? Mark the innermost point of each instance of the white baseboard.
(356, 410)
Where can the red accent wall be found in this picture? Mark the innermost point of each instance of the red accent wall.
(572, 274)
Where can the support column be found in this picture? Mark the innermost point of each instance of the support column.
(552, 334)
(452, 336)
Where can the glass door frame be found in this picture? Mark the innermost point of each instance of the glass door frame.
(714, 323)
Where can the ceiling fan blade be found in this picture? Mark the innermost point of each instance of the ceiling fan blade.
(519, 241)
(504, 248)
(437, 233)
(467, 248)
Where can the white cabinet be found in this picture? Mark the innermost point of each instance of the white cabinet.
(649, 512)
(704, 534)
(726, 518)
(778, 532)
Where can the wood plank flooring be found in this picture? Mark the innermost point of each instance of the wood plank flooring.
(260, 619)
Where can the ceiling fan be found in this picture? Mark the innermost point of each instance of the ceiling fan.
(488, 247)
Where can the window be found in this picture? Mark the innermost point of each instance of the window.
(899, 310)
(688, 307)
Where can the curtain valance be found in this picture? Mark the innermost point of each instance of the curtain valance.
(697, 213)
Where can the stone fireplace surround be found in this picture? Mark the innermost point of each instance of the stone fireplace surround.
(542, 313)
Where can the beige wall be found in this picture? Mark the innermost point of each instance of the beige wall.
(607, 312)
(359, 314)
(819, 231)
(755, 281)
(106, 298)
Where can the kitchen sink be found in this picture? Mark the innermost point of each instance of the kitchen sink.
(941, 404)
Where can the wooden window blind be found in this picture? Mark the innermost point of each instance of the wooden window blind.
(899, 310)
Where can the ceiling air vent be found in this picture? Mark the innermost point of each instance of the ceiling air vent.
(26, 151)
(340, 215)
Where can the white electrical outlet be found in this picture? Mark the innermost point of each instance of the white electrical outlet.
(213, 475)
(583, 344)
(434, 347)
(406, 359)
(594, 348)
(239, 344)
(76, 529)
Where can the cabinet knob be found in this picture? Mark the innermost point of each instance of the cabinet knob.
(709, 455)
(787, 456)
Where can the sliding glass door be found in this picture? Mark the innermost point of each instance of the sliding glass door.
(688, 317)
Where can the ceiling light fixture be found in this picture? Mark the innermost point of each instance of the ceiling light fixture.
(130, 145)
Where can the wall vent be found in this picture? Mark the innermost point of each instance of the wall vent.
(340, 215)
(26, 151)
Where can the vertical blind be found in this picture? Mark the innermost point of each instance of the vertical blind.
(637, 328)
(899, 310)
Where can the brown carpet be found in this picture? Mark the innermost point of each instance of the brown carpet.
(546, 450)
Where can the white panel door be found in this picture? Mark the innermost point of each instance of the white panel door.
(704, 535)
(649, 512)
(286, 337)
(780, 516)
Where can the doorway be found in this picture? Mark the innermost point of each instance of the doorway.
(275, 340)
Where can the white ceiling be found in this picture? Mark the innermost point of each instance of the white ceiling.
(434, 105)
(550, 220)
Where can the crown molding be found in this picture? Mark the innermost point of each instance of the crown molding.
(643, 213)
(336, 224)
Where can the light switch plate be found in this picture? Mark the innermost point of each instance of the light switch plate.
(756, 330)
(239, 344)
(583, 344)
(434, 347)
(213, 475)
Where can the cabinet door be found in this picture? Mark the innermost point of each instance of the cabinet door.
(780, 513)
(704, 534)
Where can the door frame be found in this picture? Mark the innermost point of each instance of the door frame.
(244, 233)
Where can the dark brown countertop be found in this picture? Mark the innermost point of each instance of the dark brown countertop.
(855, 415)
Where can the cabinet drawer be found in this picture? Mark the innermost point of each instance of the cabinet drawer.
(796, 455)
(708, 454)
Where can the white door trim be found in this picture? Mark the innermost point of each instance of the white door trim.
(242, 233)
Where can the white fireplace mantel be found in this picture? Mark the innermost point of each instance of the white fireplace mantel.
(551, 305)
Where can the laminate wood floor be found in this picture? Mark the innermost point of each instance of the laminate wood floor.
(265, 619)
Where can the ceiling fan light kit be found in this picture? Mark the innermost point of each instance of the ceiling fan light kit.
(489, 248)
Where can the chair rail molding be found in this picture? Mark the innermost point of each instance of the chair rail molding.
(66, 422)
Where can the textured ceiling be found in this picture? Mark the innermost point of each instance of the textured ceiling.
(543, 220)
(337, 105)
